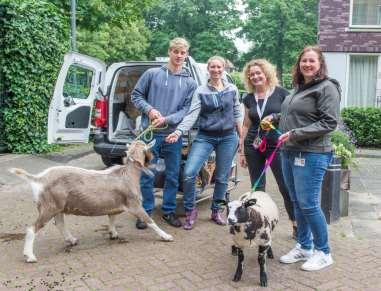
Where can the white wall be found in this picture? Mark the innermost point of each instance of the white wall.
(337, 64)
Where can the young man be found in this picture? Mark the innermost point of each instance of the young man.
(163, 95)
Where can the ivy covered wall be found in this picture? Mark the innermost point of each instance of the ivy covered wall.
(34, 39)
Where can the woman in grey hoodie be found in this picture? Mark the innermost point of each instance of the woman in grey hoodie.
(307, 118)
(217, 108)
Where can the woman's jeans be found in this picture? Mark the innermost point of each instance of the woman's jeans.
(225, 148)
(171, 153)
(303, 174)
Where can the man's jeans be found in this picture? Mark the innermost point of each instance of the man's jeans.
(203, 145)
(303, 174)
(172, 157)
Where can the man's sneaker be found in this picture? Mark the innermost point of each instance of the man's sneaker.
(217, 216)
(140, 224)
(190, 219)
(319, 260)
(295, 255)
(172, 220)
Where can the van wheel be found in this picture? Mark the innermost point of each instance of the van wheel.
(111, 161)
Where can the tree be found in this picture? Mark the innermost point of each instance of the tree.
(279, 29)
(113, 43)
(112, 30)
(204, 23)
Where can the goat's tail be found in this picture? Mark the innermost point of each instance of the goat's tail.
(22, 174)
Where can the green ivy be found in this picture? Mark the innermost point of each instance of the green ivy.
(34, 40)
(365, 123)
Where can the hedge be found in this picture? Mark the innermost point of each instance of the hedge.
(365, 123)
(34, 39)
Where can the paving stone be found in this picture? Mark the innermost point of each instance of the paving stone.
(198, 260)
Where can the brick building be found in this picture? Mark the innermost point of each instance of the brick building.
(350, 36)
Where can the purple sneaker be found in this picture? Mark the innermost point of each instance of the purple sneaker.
(190, 219)
(217, 217)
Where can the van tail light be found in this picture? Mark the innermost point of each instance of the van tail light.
(101, 109)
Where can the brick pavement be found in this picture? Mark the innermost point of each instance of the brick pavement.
(198, 260)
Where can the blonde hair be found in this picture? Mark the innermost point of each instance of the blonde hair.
(178, 42)
(216, 58)
(267, 68)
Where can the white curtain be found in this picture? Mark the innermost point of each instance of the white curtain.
(362, 81)
(366, 12)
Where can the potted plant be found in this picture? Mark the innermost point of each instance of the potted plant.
(345, 150)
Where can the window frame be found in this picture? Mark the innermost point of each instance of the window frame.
(360, 26)
(378, 81)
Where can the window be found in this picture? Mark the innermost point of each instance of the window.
(78, 82)
(362, 80)
(366, 13)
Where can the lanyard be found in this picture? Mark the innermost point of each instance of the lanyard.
(261, 110)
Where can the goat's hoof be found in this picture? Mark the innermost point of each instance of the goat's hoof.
(236, 279)
(113, 236)
(263, 283)
(72, 241)
(30, 259)
(167, 237)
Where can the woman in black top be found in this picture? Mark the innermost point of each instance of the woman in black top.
(264, 97)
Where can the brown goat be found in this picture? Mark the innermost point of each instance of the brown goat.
(71, 190)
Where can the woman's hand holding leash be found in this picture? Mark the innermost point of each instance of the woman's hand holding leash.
(285, 136)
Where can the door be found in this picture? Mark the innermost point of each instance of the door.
(70, 109)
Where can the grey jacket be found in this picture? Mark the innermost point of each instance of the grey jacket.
(217, 112)
(310, 114)
(169, 93)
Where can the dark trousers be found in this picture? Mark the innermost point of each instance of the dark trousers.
(256, 161)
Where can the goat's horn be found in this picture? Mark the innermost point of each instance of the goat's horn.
(151, 144)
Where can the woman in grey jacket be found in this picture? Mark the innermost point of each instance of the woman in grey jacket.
(216, 107)
(307, 118)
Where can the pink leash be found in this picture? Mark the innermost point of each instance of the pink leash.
(268, 162)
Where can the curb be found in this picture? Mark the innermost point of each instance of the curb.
(368, 153)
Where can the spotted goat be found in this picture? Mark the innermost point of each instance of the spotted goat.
(251, 219)
(70, 190)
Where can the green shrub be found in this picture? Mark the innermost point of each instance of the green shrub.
(365, 123)
(35, 39)
(238, 80)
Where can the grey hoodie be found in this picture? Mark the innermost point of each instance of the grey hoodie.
(310, 114)
(218, 113)
(168, 93)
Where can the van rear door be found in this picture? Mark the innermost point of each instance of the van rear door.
(79, 81)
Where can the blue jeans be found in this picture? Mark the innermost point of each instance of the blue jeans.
(172, 157)
(203, 145)
(304, 183)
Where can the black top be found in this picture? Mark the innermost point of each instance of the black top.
(273, 105)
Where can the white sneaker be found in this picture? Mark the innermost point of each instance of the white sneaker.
(317, 261)
(295, 255)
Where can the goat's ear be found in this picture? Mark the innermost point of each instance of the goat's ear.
(148, 156)
(151, 144)
(221, 202)
(250, 202)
